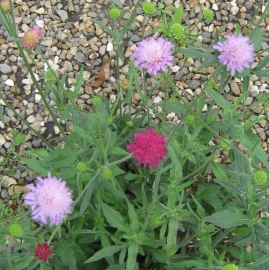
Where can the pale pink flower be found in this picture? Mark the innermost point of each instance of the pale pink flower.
(49, 200)
(236, 52)
(148, 148)
(153, 54)
(32, 37)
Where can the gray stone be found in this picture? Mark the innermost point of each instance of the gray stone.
(193, 84)
(4, 68)
(80, 57)
(63, 15)
(135, 38)
(36, 143)
(178, 75)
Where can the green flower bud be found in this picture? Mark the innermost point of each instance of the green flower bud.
(190, 119)
(16, 230)
(109, 119)
(129, 123)
(107, 174)
(140, 238)
(81, 167)
(114, 13)
(5, 5)
(230, 266)
(96, 100)
(177, 30)
(19, 139)
(225, 144)
(148, 8)
(208, 14)
(260, 177)
(173, 100)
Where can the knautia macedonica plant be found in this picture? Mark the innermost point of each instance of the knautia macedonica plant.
(165, 172)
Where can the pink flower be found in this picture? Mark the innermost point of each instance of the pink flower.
(49, 200)
(236, 52)
(42, 251)
(32, 37)
(153, 54)
(148, 148)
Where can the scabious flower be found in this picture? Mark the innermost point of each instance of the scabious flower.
(42, 251)
(5, 5)
(153, 54)
(32, 37)
(49, 200)
(19, 139)
(148, 148)
(236, 52)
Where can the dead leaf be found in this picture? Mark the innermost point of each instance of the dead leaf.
(19, 10)
(103, 76)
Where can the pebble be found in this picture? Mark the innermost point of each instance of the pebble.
(9, 82)
(63, 15)
(5, 69)
(234, 87)
(157, 99)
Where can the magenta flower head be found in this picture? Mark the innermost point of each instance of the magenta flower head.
(49, 200)
(236, 52)
(42, 251)
(148, 148)
(153, 54)
(32, 37)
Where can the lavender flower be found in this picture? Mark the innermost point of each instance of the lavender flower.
(49, 200)
(236, 52)
(153, 54)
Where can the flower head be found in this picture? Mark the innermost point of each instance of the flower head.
(260, 177)
(5, 5)
(153, 54)
(114, 13)
(190, 119)
(32, 37)
(42, 251)
(19, 139)
(148, 8)
(148, 148)
(49, 200)
(107, 174)
(230, 266)
(81, 167)
(177, 30)
(208, 14)
(16, 230)
(236, 52)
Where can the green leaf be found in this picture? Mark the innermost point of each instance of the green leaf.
(219, 99)
(262, 73)
(104, 252)
(25, 263)
(2, 114)
(88, 194)
(132, 254)
(170, 107)
(227, 219)
(114, 218)
(262, 64)
(190, 263)
(39, 153)
(64, 158)
(200, 209)
(36, 166)
(84, 134)
(207, 64)
(133, 217)
(67, 254)
(197, 53)
(131, 176)
(178, 15)
(118, 151)
(256, 38)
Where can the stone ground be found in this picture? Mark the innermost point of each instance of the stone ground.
(71, 40)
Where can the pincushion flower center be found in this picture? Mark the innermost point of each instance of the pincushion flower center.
(155, 54)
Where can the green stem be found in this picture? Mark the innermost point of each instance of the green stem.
(9, 253)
